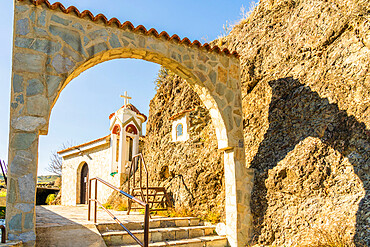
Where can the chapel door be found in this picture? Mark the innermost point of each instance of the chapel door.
(84, 181)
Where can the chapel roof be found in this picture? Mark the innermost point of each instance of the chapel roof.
(85, 144)
(129, 25)
(107, 138)
(132, 108)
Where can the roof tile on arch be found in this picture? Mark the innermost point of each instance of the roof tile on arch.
(129, 25)
(132, 108)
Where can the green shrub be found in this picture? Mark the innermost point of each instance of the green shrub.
(107, 206)
(213, 217)
(50, 198)
(2, 212)
(122, 207)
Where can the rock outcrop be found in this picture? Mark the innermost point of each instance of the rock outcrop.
(306, 106)
(192, 171)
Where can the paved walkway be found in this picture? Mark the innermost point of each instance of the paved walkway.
(68, 226)
(55, 215)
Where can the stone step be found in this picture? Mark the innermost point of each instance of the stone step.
(12, 243)
(153, 223)
(158, 234)
(205, 241)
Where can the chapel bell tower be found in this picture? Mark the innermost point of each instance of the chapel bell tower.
(125, 130)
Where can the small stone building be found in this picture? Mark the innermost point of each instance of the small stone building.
(107, 158)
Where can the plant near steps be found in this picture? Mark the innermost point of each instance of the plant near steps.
(175, 212)
(121, 207)
(2, 212)
(332, 234)
(108, 206)
(212, 216)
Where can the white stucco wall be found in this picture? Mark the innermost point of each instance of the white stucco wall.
(185, 124)
(98, 161)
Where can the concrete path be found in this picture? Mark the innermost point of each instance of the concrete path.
(68, 226)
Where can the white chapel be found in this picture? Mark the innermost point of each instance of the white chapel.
(107, 158)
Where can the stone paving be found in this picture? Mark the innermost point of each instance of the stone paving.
(68, 226)
(54, 215)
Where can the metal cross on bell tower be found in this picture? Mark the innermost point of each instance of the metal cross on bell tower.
(126, 97)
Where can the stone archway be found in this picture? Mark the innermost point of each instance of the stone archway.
(52, 45)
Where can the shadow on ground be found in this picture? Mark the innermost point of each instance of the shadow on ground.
(55, 229)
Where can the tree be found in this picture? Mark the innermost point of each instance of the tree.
(163, 73)
(55, 163)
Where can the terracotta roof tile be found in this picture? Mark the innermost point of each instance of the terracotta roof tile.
(128, 25)
(132, 108)
(180, 113)
(84, 144)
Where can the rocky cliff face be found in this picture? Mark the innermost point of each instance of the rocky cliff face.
(306, 99)
(192, 171)
(306, 106)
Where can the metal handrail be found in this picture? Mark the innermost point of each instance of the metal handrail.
(136, 157)
(95, 200)
(4, 170)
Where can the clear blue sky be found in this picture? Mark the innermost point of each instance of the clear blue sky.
(81, 113)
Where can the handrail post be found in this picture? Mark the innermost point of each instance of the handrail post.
(145, 242)
(134, 174)
(146, 226)
(139, 163)
(147, 178)
(95, 201)
(89, 200)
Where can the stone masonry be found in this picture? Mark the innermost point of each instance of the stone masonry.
(52, 45)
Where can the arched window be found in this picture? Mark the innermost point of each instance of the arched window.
(131, 129)
(179, 130)
(116, 131)
(130, 148)
(117, 148)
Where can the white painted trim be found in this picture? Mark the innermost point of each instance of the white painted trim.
(84, 148)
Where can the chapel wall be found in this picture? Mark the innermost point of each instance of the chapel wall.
(99, 166)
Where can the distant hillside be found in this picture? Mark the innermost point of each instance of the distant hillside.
(46, 178)
(40, 179)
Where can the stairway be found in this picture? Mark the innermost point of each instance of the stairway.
(186, 231)
(157, 196)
